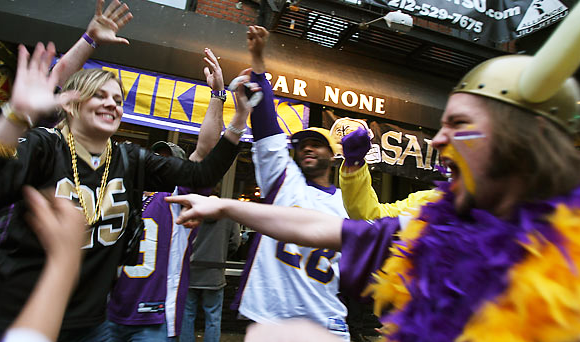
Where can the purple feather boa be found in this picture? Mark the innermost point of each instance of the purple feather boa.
(458, 264)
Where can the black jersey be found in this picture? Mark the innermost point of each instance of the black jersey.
(44, 162)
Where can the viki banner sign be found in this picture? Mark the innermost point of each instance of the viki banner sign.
(176, 104)
(398, 151)
(493, 20)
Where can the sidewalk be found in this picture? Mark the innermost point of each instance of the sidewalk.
(233, 329)
(235, 337)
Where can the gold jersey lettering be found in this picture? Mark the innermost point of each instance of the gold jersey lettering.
(66, 189)
(108, 233)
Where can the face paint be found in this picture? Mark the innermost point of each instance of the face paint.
(465, 145)
(469, 138)
(460, 151)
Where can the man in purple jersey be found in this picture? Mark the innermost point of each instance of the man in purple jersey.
(149, 298)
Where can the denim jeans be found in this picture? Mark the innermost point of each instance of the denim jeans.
(138, 333)
(211, 301)
(99, 333)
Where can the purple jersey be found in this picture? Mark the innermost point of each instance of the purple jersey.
(154, 291)
(365, 247)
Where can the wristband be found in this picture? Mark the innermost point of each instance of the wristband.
(219, 94)
(16, 119)
(90, 40)
(236, 131)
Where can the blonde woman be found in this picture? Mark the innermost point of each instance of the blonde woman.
(81, 163)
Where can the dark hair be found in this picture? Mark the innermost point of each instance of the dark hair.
(530, 146)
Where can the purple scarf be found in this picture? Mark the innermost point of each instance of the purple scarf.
(460, 263)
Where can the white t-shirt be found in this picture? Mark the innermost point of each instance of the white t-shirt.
(24, 335)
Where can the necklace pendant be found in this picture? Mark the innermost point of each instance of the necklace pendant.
(96, 161)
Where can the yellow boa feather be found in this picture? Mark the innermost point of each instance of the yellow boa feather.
(389, 286)
(542, 302)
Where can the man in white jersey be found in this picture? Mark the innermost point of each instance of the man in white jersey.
(284, 280)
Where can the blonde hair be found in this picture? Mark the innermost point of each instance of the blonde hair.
(87, 82)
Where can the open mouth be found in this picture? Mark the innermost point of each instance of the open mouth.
(452, 171)
(108, 117)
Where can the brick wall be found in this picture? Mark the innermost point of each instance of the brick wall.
(226, 9)
(431, 25)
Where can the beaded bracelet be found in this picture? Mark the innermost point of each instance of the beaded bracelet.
(236, 131)
(17, 119)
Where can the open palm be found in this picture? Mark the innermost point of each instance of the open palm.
(104, 26)
(213, 72)
(33, 91)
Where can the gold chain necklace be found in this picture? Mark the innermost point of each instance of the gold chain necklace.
(101, 195)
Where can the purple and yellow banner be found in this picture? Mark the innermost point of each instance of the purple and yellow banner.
(177, 104)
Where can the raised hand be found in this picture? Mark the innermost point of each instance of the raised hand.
(60, 228)
(257, 37)
(355, 147)
(33, 91)
(213, 71)
(104, 26)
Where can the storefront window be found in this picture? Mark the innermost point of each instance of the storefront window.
(245, 186)
(134, 133)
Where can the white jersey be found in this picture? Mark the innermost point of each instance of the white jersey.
(286, 280)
